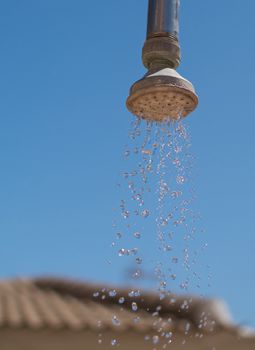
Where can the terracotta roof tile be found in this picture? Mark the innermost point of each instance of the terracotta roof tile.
(57, 304)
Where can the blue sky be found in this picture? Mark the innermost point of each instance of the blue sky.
(65, 71)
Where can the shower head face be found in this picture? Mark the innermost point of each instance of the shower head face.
(162, 95)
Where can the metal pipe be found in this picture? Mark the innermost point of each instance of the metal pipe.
(163, 18)
(161, 48)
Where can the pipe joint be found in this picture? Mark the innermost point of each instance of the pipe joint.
(161, 51)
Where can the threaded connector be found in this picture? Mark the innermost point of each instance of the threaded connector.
(161, 49)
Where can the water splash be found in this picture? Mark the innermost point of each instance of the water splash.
(157, 223)
(157, 198)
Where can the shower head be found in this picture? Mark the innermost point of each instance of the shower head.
(162, 94)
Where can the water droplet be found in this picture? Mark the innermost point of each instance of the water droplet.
(184, 285)
(134, 306)
(137, 274)
(115, 321)
(126, 214)
(168, 334)
(137, 235)
(167, 248)
(176, 194)
(100, 339)
(126, 153)
(187, 327)
(134, 293)
(133, 251)
(139, 261)
(119, 235)
(122, 252)
(162, 296)
(137, 197)
(145, 213)
(112, 293)
(163, 284)
(137, 319)
(131, 185)
(185, 305)
(146, 152)
(121, 300)
(149, 167)
(114, 342)
(177, 162)
(177, 149)
(155, 339)
(161, 236)
(180, 180)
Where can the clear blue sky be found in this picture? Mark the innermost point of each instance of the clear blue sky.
(65, 71)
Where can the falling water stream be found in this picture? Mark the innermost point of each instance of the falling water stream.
(157, 202)
(156, 222)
